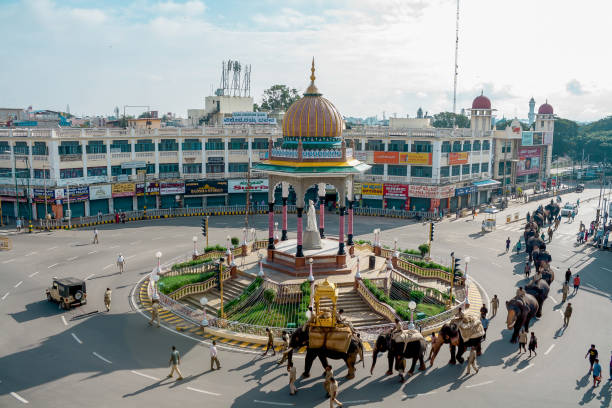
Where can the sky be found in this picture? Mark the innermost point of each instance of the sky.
(372, 56)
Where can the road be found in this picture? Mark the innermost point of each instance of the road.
(86, 357)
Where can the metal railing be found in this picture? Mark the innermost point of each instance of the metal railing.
(199, 287)
(379, 307)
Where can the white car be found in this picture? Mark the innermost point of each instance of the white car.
(567, 209)
(491, 209)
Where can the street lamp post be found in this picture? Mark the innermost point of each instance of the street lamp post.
(195, 249)
(261, 271)
(412, 306)
(311, 279)
(244, 234)
(158, 255)
(465, 277)
(203, 302)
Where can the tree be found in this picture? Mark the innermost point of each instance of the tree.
(269, 296)
(445, 120)
(565, 138)
(278, 98)
(504, 123)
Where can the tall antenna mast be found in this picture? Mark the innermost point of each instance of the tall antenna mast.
(456, 67)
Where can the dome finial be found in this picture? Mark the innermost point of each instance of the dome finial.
(312, 70)
(312, 88)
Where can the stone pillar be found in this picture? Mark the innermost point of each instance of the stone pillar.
(271, 225)
(299, 253)
(285, 195)
(321, 193)
(350, 223)
(341, 233)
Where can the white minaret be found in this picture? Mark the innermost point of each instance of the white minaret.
(545, 122)
(531, 115)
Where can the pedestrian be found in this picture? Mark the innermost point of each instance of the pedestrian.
(533, 344)
(576, 284)
(18, 224)
(527, 269)
(507, 244)
(586, 237)
(592, 354)
(120, 263)
(494, 305)
(107, 299)
(154, 312)
(473, 213)
(522, 340)
(550, 234)
(568, 275)
(567, 314)
(528, 216)
(329, 373)
(214, 359)
(434, 339)
(95, 240)
(333, 393)
(596, 373)
(471, 363)
(175, 361)
(292, 377)
(285, 347)
(270, 344)
(565, 291)
(485, 326)
(484, 310)
(610, 379)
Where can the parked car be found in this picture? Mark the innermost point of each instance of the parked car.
(580, 188)
(67, 292)
(567, 209)
(491, 209)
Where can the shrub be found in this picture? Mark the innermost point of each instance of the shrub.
(245, 293)
(269, 296)
(217, 247)
(303, 307)
(363, 241)
(423, 249)
(190, 263)
(417, 296)
(411, 252)
(235, 241)
(169, 284)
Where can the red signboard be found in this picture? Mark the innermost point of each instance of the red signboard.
(395, 190)
(386, 157)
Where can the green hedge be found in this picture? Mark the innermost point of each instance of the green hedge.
(401, 306)
(245, 293)
(169, 284)
(303, 307)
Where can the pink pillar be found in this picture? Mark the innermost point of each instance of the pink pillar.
(299, 253)
(322, 216)
(284, 232)
(350, 223)
(341, 233)
(271, 225)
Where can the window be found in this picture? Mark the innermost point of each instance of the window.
(22, 148)
(445, 170)
(237, 143)
(192, 144)
(6, 172)
(70, 148)
(476, 168)
(5, 147)
(465, 169)
(446, 147)
(476, 146)
(397, 170)
(71, 173)
(486, 145)
(96, 171)
(192, 168)
(259, 144)
(500, 169)
(542, 123)
(117, 170)
(215, 168)
(144, 145)
(456, 147)
(421, 147)
(375, 146)
(507, 147)
(41, 174)
(22, 173)
(397, 146)
(215, 144)
(484, 167)
(150, 168)
(122, 146)
(420, 171)
(40, 149)
(377, 169)
(168, 145)
(456, 170)
(96, 146)
(168, 168)
(467, 146)
(238, 167)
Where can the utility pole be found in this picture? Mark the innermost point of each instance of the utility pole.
(16, 191)
(456, 67)
(69, 211)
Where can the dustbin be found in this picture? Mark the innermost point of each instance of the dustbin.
(372, 262)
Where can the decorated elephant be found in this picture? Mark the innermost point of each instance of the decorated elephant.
(547, 273)
(538, 290)
(460, 333)
(336, 344)
(553, 210)
(397, 351)
(541, 258)
(533, 244)
(540, 216)
(520, 312)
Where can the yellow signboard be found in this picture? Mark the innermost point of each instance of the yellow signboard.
(123, 189)
(372, 190)
(5, 243)
(415, 158)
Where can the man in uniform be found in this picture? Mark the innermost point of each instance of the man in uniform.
(567, 314)
(494, 305)
(154, 312)
(340, 318)
(175, 360)
(329, 373)
(565, 291)
(107, 299)
(95, 240)
(270, 344)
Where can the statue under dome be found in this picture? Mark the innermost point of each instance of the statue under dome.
(312, 238)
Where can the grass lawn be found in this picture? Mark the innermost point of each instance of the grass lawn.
(169, 284)
(262, 315)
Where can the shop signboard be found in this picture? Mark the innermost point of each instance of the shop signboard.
(175, 187)
(415, 158)
(152, 188)
(372, 191)
(38, 195)
(458, 158)
(356, 188)
(445, 191)
(461, 191)
(422, 191)
(538, 138)
(548, 138)
(361, 156)
(527, 139)
(205, 187)
(251, 118)
(10, 191)
(59, 194)
(395, 190)
(100, 192)
(76, 194)
(528, 161)
(243, 185)
(122, 190)
(386, 157)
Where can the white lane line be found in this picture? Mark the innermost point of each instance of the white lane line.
(523, 369)
(76, 338)
(64, 321)
(90, 276)
(606, 269)
(155, 239)
(146, 376)
(73, 258)
(5, 295)
(549, 349)
(33, 274)
(102, 358)
(113, 247)
(553, 299)
(107, 266)
(478, 385)
(17, 285)
(19, 397)
(8, 261)
(31, 253)
(51, 266)
(91, 253)
(49, 249)
(204, 392)
(280, 404)
(129, 257)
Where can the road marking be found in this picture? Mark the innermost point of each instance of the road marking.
(430, 393)
(51, 266)
(64, 321)
(102, 358)
(32, 274)
(19, 397)
(606, 269)
(129, 257)
(8, 261)
(17, 285)
(281, 404)
(155, 239)
(90, 276)
(355, 402)
(73, 258)
(91, 253)
(146, 376)
(107, 266)
(49, 249)
(553, 299)
(113, 247)
(478, 385)
(5, 295)
(549, 349)
(523, 369)
(31, 253)
(135, 242)
(205, 392)
(76, 338)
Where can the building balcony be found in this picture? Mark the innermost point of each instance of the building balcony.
(215, 153)
(71, 157)
(170, 175)
(172, 154)
(421, 180)
(372, 177)
(398, 179)
(96, 157)
(238, 174)
(121, 155)
(145, 155)
(192, 175)
(192, 153)
(215, 176)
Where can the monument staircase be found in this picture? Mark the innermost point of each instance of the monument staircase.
(232, 288)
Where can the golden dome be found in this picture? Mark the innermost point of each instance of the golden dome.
(312, 115)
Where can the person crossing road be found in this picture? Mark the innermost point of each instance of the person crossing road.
(507, 244)
(120, 263)
(107, 299)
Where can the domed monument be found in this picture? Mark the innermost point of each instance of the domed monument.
(312, 152)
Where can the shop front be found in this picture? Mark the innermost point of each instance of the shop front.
(152, 193)
(99, 196)
(372, 195)
(171, 193)
(256, 188)
(76, 196)
(123, 196)
(205, 193)
(396, 196)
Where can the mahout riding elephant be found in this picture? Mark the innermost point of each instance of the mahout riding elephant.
(398, 351)
(532, 244)
(452, 334)
(539, 290)
(553, 210)
(520, 312)
(547, 273)
(300, 338)
(541, 258)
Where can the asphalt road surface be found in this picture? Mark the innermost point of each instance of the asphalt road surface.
(87, 357)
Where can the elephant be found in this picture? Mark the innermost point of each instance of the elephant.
(450, 333)
(553, 210)
(520, 312)
(299, 338)
(532, 244)
(396, 351)
(538, 290)
(541, 258)
(547, 274)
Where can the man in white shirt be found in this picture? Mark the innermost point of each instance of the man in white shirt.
(120, 263)
(95, 240)
(213, 356)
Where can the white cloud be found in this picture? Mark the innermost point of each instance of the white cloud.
(574, 87)
(189, 8)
